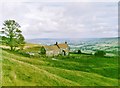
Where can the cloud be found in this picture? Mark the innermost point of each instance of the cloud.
(60, 0)
(63, 20)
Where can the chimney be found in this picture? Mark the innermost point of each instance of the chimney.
(65, 42)
(56, 43)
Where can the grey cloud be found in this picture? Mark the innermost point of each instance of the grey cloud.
(64, 19)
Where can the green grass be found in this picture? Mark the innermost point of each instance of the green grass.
(74, 70)
(32, 49)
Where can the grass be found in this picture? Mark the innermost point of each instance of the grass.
(73, 70)
(35, 49)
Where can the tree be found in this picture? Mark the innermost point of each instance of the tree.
(100, 53)
(13, 34)
(3, 40)
(42, 50)
(79, 51)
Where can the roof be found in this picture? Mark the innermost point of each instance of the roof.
(52, 47)
(55, 47)
(63, 46)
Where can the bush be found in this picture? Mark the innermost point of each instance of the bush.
(79, 52)
(76, 52)
(24, 54)
(100, 53)
(42, 50)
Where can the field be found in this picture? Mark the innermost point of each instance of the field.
(73, 70)
(90, 45)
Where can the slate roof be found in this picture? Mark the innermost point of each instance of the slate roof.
(63, 46)
(56, 47)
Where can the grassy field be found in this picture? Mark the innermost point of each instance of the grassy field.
(73, 70)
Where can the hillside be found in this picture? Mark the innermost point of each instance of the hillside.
(76, 70)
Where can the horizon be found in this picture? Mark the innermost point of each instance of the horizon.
(73, 38)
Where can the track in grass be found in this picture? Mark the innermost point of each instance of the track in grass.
(21, 71)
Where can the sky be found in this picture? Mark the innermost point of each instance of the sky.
(66, 19)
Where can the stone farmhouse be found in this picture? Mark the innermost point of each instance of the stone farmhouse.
(57, 49)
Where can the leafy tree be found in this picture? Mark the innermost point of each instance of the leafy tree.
(13, 34)
(100, 53)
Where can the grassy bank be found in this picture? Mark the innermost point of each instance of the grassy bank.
(75, 70)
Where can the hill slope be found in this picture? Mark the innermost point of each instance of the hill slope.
(22, 71)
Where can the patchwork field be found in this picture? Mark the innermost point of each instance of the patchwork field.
(73, 70)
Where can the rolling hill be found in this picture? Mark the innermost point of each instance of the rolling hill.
(75, 70)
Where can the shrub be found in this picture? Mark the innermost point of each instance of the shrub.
(79, 52)
(23, 54)
(42, 50)
(76, 52)
(100, 53)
